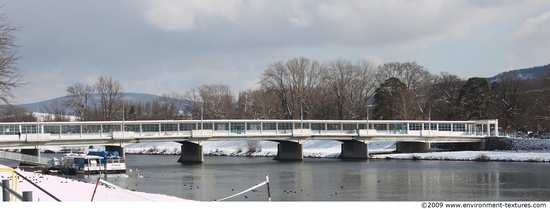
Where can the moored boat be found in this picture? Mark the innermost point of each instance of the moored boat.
(94, 162)
(81, 164)
(112, 161)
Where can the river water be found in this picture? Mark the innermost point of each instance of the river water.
(321, 179)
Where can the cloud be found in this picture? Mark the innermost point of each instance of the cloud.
(299, 17)
(159, 46)
(534, 32)
(175, 15)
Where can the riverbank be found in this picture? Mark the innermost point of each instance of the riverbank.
(506, 149)
(69, 190)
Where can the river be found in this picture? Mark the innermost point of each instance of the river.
(323, 179)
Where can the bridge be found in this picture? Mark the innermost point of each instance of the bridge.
(410, 135)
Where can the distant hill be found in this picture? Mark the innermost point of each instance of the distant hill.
(138, 97)
(525, 73)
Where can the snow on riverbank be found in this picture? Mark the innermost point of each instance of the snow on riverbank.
(69, 190)
(519, 149)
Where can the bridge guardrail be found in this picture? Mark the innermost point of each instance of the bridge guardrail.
(25, 158)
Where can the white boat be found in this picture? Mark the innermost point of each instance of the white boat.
(82, 164)
(112, 161)
(94, 162)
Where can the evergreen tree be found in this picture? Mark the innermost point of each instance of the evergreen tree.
(475, 100)
(387, 97)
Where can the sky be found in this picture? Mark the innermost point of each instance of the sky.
(165, 46)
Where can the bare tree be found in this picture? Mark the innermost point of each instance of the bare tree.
(193, 104)
(170, 105)
(218, 101)
(79, 99)
(10, 77)
(418, 82)
(350, 87)
(11, 113)
(540, 115)
(56, 112)
(296, 83)
(256, 104)
(512, 100)
(110, 96)
(443, 97)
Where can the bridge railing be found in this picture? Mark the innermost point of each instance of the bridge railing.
(24, 158)
(187, 128)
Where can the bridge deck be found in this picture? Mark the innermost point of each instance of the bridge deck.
(25, 134)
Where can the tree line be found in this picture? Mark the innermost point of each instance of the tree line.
(304, 88)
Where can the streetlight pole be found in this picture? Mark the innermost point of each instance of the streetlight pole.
(368, 125)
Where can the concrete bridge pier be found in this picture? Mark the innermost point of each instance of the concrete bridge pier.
(289, 151)
(191, 153)
(354, 150)
(33, 152)
(407, 147)
(119, 149)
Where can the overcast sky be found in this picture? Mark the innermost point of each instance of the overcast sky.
(164, 46)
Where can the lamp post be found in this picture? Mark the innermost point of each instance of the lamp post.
(368, 127)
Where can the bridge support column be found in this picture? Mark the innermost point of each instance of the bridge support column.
(354, 150)
(119, 149)
(191, 153)
(407, 147)
(33, 152)
(289, 151)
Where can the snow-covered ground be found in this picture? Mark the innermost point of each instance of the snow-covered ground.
(69, 190)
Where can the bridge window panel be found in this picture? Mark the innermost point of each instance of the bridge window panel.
(150, 127)
(444, 127)
(221, 126)
(51, 129)
(301, 125)
(459, 127)
(110, 128)
(269, 126)
(132, 127)
(365, 126)
(415, 126)
(169, 127)
(433, 126)
(317, 126)
(205, 126)
(334, 126)
(70, 129)
(285, 126)
(381, 127)
(348, 126)
(253, 126)
(10, 130)
(237, 128)
(26, 129)
(91, 129)
(188, 126)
